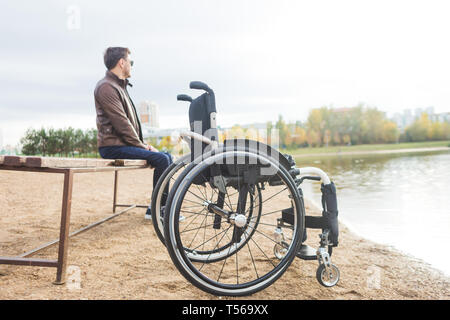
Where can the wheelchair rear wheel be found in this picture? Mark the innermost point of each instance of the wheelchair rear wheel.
(226, 248)
(161, 191)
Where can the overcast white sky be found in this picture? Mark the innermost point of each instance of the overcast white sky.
(262, 58)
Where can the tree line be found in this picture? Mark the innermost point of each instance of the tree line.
(424, 129)
(326, 126)
(350, 126)
(60, 142)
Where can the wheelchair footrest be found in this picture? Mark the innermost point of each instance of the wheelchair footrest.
(307, 253)
(311, 222)
(287, 215)
(316, 222)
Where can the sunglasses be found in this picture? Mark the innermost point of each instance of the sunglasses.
(131, 61)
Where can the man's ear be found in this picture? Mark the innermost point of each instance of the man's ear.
(121, 63)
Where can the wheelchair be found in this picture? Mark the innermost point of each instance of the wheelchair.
(244, 215)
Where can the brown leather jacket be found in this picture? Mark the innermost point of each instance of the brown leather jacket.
(117, 120)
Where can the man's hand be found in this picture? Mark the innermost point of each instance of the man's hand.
(151, 148)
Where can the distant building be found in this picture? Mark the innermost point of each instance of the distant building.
(441, 117)
(149, 114)
(407, 118)
(419, 111)
(404, 119)
(1, 138)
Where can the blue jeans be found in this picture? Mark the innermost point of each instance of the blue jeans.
(158, 160)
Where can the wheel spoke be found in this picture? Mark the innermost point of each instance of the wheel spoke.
(215, 236)
(231, 208)
(253, 260)
(201, 204)
(195, 217)
(225, 232)
(224, 262)
(201, 227)
(271, 197)
(198, 231)
(196, 206)
(268, 259)
(263, 234)
(197, 213)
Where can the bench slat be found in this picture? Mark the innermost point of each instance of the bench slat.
(129, 162)
(14, 161)
(50, 162)
(53, 162)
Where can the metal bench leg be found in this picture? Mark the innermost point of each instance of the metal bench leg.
(116, 177)
(64, 230)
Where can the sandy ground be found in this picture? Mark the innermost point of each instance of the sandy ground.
(123, 258)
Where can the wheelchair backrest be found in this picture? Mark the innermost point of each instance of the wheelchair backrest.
(202, 118)
(200, 112)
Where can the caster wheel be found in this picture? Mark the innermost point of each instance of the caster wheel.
(327, 278)
(279, 251)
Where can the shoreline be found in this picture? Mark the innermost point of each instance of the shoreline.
(342, 222)
(398, 258)
(387, 151)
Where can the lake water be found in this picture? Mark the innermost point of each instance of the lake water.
(402, 200)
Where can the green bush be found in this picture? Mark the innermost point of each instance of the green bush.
(61, 142)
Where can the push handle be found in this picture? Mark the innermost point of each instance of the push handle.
(199, 85)
(184, 97)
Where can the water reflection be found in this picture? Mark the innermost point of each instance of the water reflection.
(398, 199)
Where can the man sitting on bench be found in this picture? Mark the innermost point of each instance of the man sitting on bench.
(119, 129)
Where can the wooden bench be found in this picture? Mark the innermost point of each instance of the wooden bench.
(68, 167)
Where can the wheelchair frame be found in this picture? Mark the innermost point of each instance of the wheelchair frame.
(210, 170)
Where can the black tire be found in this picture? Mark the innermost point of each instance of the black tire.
(188, 266)
(158, 191)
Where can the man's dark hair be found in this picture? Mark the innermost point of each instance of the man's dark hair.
(113, 55)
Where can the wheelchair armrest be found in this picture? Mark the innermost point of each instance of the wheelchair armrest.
(197, 136)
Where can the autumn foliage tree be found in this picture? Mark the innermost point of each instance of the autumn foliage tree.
(424, 129)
